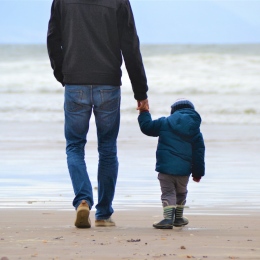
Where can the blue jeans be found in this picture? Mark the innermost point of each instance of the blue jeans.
(79, 103)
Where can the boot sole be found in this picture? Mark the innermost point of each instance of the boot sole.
(82, 219)
(180, 225)
(163, 227)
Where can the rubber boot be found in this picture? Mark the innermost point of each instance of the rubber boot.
(179, 220)
(167, 222)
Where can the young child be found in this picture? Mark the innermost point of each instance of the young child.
(180, 152)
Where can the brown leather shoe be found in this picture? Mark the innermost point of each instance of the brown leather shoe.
(82, 217)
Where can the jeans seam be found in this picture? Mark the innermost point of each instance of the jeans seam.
(91, 87)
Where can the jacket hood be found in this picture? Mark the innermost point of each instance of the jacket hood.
(185, 122)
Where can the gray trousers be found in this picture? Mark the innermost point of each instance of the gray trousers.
(174, 189)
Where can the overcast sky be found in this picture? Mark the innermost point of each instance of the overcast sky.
(158, 21)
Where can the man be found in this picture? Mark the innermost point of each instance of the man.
(86, 41)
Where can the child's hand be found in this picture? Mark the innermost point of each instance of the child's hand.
(196, 179)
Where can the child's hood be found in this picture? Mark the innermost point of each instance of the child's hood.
(185, 122)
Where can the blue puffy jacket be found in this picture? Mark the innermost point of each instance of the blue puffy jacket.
(181, 148)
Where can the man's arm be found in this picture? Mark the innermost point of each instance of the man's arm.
(54, 44)
(130, 47)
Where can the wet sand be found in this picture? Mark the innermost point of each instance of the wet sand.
(45, 234)
(33, 164)
(36, 216)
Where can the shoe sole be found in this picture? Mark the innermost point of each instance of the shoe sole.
(82, 219)
(104, 224)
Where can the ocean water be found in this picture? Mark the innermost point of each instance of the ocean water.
(223, 81)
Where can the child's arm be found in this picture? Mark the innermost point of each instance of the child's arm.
(198, 154)
(147, 125)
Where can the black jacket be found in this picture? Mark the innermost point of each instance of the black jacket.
(86, 40)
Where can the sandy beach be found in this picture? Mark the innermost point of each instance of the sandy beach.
(45, 234)
(37, 219)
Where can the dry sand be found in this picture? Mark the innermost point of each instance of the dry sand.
(43, 234)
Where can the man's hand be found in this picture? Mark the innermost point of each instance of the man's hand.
(142, 105)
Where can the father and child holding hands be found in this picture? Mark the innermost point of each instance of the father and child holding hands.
(87, 42)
